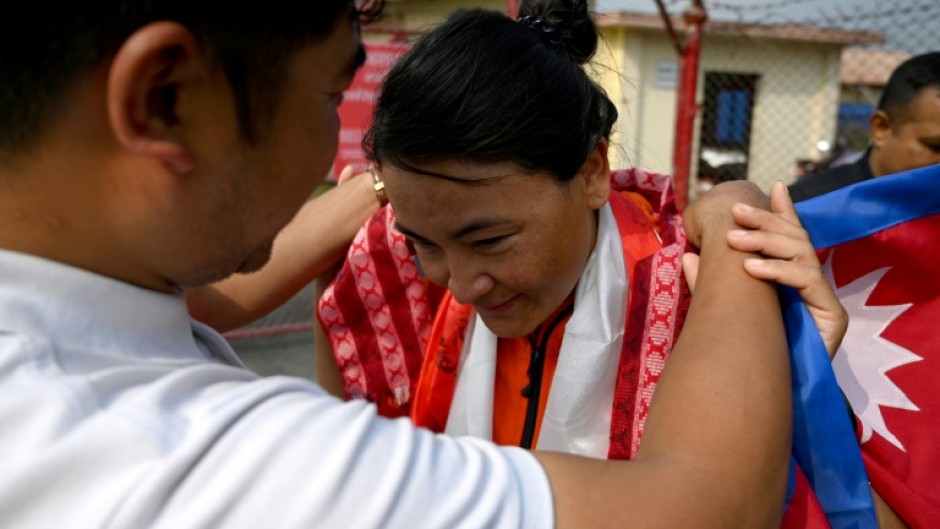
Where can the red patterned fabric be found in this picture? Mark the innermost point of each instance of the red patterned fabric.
(657, 190)
(658, 302)
(377, 342)
(377, 313)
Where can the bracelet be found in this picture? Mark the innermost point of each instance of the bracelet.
(379, 186)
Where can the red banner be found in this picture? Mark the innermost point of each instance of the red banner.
(355, 114)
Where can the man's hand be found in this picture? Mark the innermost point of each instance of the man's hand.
(711, 214)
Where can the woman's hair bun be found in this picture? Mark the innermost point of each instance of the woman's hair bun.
(572, 20)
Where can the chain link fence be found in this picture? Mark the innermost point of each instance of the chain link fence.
(788, 87)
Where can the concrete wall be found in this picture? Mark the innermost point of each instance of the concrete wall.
(647, 112)
(795, 102)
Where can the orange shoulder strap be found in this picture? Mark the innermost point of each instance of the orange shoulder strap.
(635, 222)
(438, 378)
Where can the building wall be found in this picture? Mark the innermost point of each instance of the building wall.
(613, 73)
(796, 103)
(647, 112)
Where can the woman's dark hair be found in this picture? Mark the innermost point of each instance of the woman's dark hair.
(46, 48)
(486, 88)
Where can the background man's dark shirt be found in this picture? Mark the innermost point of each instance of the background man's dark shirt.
(831, 179)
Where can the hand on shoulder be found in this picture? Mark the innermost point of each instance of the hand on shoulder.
(711, 213)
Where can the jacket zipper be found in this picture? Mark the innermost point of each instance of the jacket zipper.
(533, 390)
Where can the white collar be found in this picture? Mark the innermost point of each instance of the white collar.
(68, 305)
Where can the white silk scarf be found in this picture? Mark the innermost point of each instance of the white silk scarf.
(578, 412)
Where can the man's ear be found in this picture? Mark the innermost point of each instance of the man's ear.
(880, 128)
(144, 82)
(596, 173)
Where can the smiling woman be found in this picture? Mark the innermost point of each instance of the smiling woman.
(492, 141)
(509, 242)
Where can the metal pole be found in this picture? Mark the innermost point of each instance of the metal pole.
(686, 107)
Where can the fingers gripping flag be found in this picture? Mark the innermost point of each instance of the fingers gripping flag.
(879, 243)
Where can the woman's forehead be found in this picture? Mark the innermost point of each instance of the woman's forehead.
(461, 171)
(468, 187)
(434, 207)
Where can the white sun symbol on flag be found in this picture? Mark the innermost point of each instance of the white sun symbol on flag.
(862, 362)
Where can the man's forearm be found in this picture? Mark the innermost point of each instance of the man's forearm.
(716, 443)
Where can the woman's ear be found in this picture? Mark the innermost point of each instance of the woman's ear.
(596, 174)
(145, 80)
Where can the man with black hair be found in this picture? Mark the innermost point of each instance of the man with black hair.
(905, 130)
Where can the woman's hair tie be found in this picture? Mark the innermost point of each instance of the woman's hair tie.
(548, 32)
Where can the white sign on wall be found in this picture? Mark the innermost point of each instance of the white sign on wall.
(667, 75)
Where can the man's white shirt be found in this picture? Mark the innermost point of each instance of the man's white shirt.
(119, 411)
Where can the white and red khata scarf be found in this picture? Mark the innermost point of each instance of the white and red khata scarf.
(580, 403)
(378, 313)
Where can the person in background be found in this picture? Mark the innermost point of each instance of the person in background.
(905, 130)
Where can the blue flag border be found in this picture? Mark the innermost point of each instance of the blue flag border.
(875, 204)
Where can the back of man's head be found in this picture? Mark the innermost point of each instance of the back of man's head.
(47, 48)
(907, 81)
